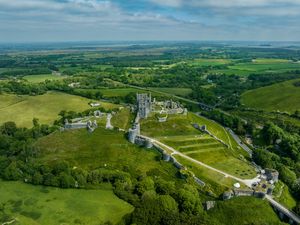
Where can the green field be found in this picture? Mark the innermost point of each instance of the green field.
(282, 96)
(179, 133)
(260, 66)
(22, 109)
(209, 62)
(42, 78)
(103, 148)
(244, 210)
(33, 205)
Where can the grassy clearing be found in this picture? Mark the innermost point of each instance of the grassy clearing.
(267, 67)
(42, 78)
(282, 96)
(122, 119)
(22, 109)
(209, 62)
(32, 205)
(103, 148)
(244, 210)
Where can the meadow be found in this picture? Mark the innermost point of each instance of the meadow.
(282, 96)
(259, 65)
(33, 205)
(209, 62)
(102, 148)
(42, 78)
(22, 109)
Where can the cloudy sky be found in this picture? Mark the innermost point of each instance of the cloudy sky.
(96, 20)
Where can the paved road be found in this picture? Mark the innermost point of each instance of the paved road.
(283, 209)
(175, 152)
(246, 182)
(241, 144)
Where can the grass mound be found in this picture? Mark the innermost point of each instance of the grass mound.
(103, 148)
(282, 96)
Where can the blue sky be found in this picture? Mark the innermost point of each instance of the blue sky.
(96, 20)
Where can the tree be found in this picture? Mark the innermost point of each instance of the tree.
(9, 128)
(66, 180)
(37, 178)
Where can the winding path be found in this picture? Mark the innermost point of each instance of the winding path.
(248, 183)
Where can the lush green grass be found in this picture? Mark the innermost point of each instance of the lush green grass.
(282, 194)
(215, 182)
(244, 210)
(31, 205)
(259, 66)
(103, 148)
(42, 78)
(22, 109)
(282, 96)
(209, 62)
(179, 133)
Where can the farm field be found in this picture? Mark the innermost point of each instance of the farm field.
(282, 96)
(102, 148)
(22, 109)
(42, 78)
(259, 66)
(33, 205)
(179, 133)
(209, 62)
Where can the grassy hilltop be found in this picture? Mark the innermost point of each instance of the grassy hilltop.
(282, 96)
(22, 109)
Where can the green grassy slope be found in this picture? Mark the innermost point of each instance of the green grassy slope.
(179, 133)
(282, 96)
(103, 148)
(244, 210)
(22, 109)
(32, 205)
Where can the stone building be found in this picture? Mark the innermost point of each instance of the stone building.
(271, 175)
(143, 105)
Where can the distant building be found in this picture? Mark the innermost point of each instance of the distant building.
(94, 104)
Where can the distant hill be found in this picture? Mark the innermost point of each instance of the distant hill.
(284, 97)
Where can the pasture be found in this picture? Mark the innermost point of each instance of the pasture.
(22, 109)
(33, 205)
(43, 77)
(209, 62)
(282, 96)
